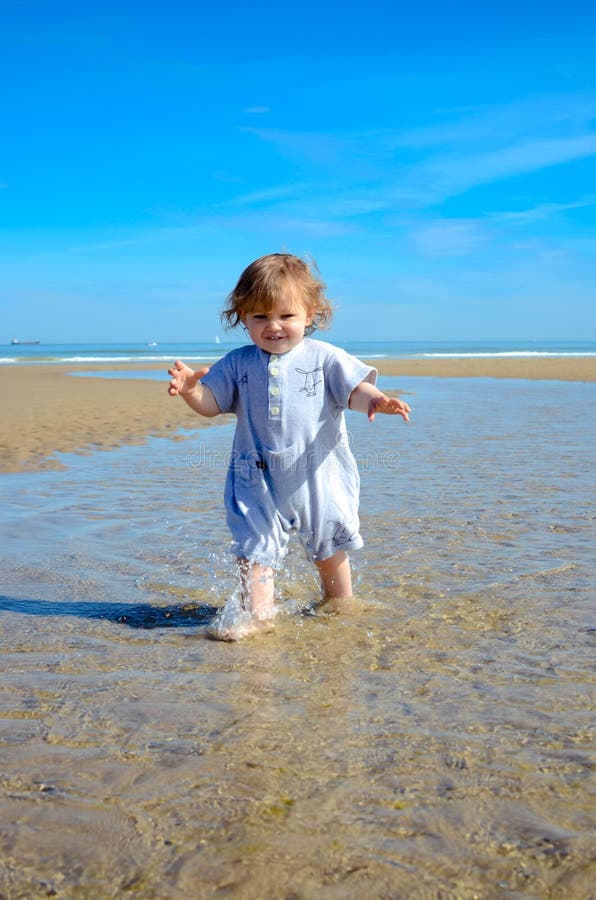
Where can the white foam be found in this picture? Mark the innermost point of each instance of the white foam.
(129, 359)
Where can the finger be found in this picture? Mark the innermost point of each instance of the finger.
(401, 408)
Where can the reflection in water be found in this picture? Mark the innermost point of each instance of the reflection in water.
(438, 744)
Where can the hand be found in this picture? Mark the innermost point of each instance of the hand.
(184, 379)
(392, 406)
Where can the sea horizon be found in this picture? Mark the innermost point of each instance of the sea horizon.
(22, 353)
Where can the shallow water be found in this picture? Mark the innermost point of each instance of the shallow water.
(436, 745)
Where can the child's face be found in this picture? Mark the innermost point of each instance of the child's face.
(280, 329)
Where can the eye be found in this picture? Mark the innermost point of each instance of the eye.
(258, 316)
(288, 315)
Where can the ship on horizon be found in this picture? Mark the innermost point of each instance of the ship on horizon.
(17, 341)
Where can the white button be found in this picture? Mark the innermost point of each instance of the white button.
(275, 410)
(274, 370)
(273, 358)
(275, 390)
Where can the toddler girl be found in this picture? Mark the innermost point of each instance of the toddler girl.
(291, 467)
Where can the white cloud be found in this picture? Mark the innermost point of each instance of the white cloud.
(275, 192)
(552, 114)
(454, 175)
(315, 147)
(286, 226)
(447, 238)
(418, 168)
(543, 211)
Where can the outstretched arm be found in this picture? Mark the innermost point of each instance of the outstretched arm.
(186, 383)
(369, 399)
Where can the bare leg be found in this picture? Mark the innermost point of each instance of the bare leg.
(258, 586)
(253, 612)
(336, 575)
(336, 579)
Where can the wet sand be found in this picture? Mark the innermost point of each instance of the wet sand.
(535, 369)
(45, 410)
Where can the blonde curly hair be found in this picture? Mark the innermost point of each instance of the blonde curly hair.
(272, 279)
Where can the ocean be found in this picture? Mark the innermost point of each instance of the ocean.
(117, 353)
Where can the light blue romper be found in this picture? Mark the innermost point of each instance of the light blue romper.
(291, 467)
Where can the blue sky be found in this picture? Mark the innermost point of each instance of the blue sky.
(437, 160)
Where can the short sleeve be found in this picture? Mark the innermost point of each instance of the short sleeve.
(221, 381)
(343, 373)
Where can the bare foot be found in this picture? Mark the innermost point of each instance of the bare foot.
(345, 606)
(233, 623)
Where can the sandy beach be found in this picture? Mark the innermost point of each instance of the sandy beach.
(47, 411)
(556, 368)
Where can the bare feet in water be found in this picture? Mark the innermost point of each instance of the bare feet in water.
(342, 606)
(233, 622)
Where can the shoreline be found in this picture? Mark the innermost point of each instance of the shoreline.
(45, 411)
(551, 368)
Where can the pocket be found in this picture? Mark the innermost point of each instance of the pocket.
(281, 462)
(286, 470)
(247, 469)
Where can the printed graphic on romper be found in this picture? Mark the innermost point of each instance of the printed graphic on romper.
(311, 380)
(343, 532)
